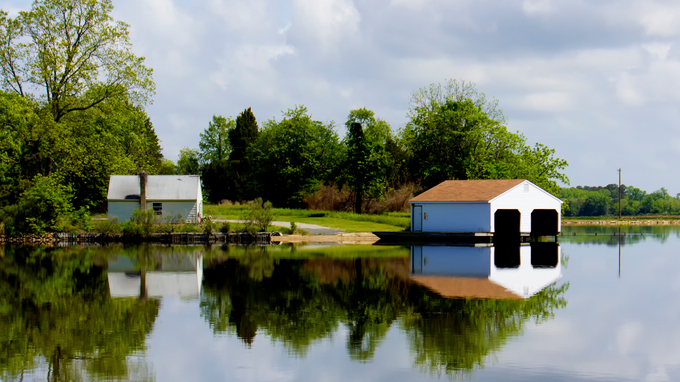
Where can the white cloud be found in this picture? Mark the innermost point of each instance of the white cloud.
(165, 18)
(549, 102)
(251, 18)
(414, 5)
(627, 91)
(661, 22)
(327, 21)
(658, 49)
(628, 337)
(537, 7)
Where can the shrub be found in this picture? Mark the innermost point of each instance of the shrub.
(225, 228)
(146, 221)
(41, 205)
(293, 228)
(107, 227)
(209, 227)
(8, 216)
(131, 229)
(63, 224)
(164, 228)
(2, 229)
(190, 227)
(173, 219)
(259, 216)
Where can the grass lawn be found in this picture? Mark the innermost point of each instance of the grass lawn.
(346, 221)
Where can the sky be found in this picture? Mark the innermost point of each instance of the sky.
(598, 81)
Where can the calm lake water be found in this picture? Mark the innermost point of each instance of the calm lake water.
(593, 308)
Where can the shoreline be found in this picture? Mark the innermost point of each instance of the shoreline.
(616, 222)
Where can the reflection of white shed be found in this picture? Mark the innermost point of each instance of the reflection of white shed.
(167, 195)
(486, 272)
(507, 206)
(181, 278)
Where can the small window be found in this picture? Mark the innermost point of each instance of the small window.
(526, 187)
(158, 208)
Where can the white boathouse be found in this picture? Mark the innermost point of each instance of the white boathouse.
(167, 195)
(505, 206)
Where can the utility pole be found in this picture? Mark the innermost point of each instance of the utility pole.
(619, 194)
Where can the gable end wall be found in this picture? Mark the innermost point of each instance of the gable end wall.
(526, 202)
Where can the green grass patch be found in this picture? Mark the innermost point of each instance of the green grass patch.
(346, 221)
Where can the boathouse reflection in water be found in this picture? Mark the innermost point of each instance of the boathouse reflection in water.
(179, 276)
(505, 271)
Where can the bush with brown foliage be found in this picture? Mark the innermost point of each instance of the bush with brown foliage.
(329, 198)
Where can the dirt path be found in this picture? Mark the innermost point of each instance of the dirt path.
(342, 238)
(311, 228)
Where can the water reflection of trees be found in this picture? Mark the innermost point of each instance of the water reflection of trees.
(55, 309)
(303, 302)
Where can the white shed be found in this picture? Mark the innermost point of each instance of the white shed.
(167, 195)
(505, 206)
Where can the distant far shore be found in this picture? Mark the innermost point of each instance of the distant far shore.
(646, 220)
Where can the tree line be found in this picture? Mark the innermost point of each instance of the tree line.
(72, 113)
(453, 132)
(604, 201)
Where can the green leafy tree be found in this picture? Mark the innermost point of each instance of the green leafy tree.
(455, 133)
(293, 157)
(75, 53)
(443, 139)
(214, 144)
(167, 167)
(188, 162)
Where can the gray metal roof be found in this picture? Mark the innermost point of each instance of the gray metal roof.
(158, 187)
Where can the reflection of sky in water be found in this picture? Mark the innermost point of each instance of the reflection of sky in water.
(613, 328)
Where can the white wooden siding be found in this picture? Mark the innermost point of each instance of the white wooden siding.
(187, 208)
(455, 217)
(122, 209)
(517, 199)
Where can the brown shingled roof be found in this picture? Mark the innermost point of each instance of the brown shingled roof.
(467, 190)
(459, 287)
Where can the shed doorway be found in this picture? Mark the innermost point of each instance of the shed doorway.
(417, 218)
(544, 223)
(507, 224)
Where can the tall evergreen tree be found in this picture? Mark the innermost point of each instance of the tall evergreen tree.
(240, 181)
(366, 161)
(243, 135)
